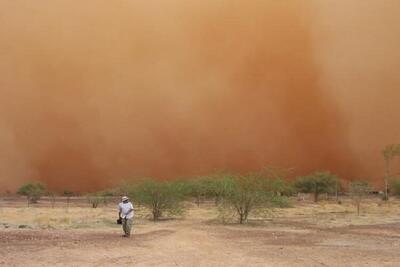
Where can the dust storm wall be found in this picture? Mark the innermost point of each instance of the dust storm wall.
(96, 92)
(358, 57)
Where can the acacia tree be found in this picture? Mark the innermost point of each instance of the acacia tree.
(159, 196)
(358, 191)
(217, 186)
(106, 194)
(68, 194)
(33, 191)
(275, 181)
(199, 188)
(317, 183)
(221, 187)
(94, 199)
(338, 188)
(52, 197)
(389, 153)
(395, 186)
(245, 194)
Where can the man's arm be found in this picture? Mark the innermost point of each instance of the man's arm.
(130, 210)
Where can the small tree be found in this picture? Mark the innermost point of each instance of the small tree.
(358, 191)
(200, 188)
(94, 199)
(245, 194)
(395, 186)
(52, 198)
(389, 153)
(33, 191)
(317, 183)
(219, 186)
(159, 196)
(275, 181)
(67, 193)
(338, 189)
(106, 195)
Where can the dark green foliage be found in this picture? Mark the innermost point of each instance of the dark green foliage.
(159, 196)
(68, 193)
(279, 187)
(317, 183)
(33, 191)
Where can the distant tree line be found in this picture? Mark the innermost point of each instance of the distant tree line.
(241, 194)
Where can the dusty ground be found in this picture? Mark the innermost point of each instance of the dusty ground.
(325, 234)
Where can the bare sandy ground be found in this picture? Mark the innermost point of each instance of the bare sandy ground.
(325, 234)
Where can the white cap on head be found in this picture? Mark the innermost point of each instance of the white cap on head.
(125, 198)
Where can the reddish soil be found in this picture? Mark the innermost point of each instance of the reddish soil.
(194, 243)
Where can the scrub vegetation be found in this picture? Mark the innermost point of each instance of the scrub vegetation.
(32, 191)
(359, 191)
(317, 183)
(239, 196)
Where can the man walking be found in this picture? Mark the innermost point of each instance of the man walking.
(126, 215)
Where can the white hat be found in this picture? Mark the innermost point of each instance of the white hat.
(125, 198)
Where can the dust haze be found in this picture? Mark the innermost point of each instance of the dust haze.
(98, 91)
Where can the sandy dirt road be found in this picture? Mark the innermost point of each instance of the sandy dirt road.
(189, 243)
(308, 234)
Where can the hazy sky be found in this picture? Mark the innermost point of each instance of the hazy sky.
(97, 91)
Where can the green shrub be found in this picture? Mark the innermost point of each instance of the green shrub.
(395, 187)
(358, 191)
(317, 183)
(105, 195)
(68, 193)
(94, 199)
(389, 154)
(220, 186)
(278, 187)
(199, 188)
(159, 196)
(276, 181)
(245, 194)
(52, 197)
(33, 191)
